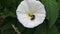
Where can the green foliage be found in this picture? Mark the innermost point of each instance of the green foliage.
(51, 10)
(59, 4)
(28, 31)
(6, 26)
(43, 29)
(8, 16)
(8, 7)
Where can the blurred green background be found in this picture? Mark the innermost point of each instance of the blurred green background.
(51, 25)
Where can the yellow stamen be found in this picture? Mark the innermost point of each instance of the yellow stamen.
(30, 14)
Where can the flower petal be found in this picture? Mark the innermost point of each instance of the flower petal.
(36, 7)
(22, 8)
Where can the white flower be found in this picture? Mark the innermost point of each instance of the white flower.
(31, 13)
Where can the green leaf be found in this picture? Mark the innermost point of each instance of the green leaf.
(53, 30)
(59, 4)
(28, 31)
(51, 11)
(43, 29)
(8, 7)
(58, 22)
(7, 27)
(9, 31)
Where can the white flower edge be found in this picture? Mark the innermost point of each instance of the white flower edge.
(36, 7)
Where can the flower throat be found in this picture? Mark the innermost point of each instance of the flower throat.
(31, 15)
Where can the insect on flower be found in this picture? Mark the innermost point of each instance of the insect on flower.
(31, 13)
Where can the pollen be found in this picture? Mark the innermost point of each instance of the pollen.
(31, 15)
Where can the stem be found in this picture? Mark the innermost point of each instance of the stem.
(16, 30)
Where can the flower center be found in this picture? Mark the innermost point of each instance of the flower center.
(31, 15)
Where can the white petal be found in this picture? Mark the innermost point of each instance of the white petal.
(34, 6)
(29, 0)
(23, 18)
(22, 8)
